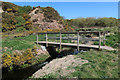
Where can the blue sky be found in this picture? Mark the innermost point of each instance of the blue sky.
(61, 0)
(72, 10)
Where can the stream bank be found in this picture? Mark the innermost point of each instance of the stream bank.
(60, 66)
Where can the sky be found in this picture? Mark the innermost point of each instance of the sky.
(72, 10)
(61, 0)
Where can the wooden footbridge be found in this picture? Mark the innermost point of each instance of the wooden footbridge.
(100, 38)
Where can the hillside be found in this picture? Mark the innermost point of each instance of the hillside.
(29, 19)
(46, 18)
(17, 19)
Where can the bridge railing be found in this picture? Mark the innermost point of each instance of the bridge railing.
(71, 38)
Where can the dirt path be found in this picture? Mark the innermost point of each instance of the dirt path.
(60, 66)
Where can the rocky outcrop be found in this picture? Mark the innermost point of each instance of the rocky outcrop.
(38, 20)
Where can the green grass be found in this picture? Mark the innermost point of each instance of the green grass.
(97, 43)
(50, 76)
(112, 40)
(19, 43)
(23, 43)
(102, 64)
(53, 76)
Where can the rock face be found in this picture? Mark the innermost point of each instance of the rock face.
(38, 20)
(60, 66)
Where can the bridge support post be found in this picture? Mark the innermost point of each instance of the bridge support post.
(37, 38)
(60, 42)
(104, 38)
(46, 39)
(78, 41)
(68, 37)
(99, 40)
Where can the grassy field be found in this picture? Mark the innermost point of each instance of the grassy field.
(102, 64)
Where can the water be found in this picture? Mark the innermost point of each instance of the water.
(23, 73)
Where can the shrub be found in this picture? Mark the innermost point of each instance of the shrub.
(18, 60)
(20, 21)
(9, 10)
(6, 60)
(24, 9)
(20, 29)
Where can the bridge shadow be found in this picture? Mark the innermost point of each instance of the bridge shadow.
(54, 54)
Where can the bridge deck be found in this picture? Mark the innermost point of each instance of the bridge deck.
(75, 45)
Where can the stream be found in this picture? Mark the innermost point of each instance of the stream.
(23, 73)
(27, 72)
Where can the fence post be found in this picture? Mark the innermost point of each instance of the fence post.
(78, 41)
(60, 42)
(99, 40)
(68, 37)
(37, 38)
(104, 38)
(46, 40)
(55, 38)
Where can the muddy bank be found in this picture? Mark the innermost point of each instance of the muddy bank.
(60, 66)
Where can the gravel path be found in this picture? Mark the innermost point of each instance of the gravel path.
(60, 65)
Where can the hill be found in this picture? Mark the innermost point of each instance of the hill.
(46, 18)
(17, 19)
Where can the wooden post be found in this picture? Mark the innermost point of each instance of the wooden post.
(37, 38)
(55, 38)
(99, 40)
(60, 42)
(104, 39)
(78, 41)
(46, 40)
(68, 38)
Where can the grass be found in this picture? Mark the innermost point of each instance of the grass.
(19, 43)
(22, 43)
(112, 40)
(53, 76)
(102, 64)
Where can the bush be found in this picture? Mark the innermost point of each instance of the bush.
(24, 9)
(91, 22)
(15, 17)
(50, 14)
(18, 60)
(20, 21)
(20, 29)
(6, 60)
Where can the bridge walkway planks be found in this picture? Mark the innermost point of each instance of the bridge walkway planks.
(75, 45)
